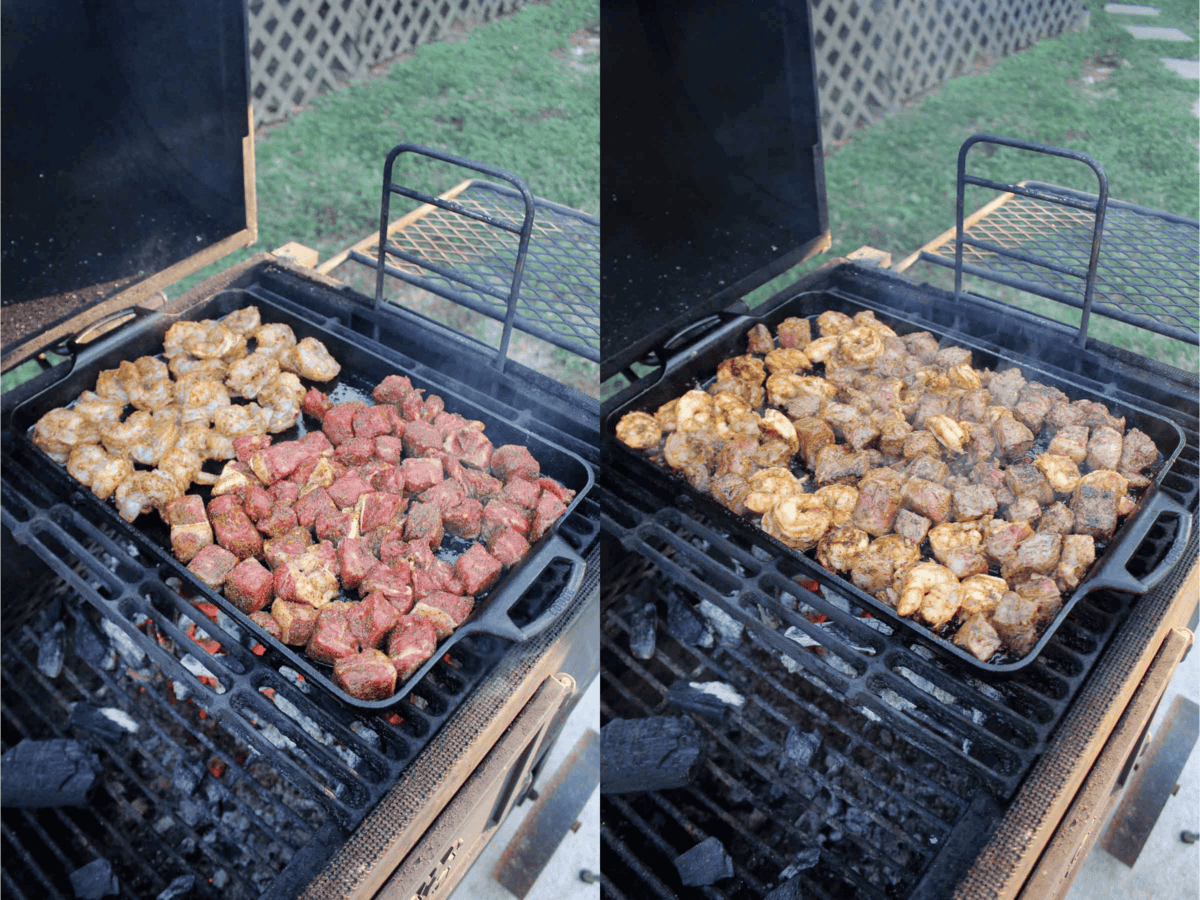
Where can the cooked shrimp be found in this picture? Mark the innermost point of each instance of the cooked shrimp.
(981, 594)
(769, 486)
(832, 322)
(860, 346)
(310, 359)
(822, 348)
(742, 368)
(639, 430)
(932, 592)
(732, 415)
(841, 546)
(949, 433)
(963, 376)
(787, 359)
(867, 318)
(840, 499)
(60, 431)
(177, 337)
(1060, 471)
(799, 520)
(774, 425)
(953, 536)
(243, 321)
(694, 412)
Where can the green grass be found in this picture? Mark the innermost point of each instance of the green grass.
(511, 94)
(892, 184)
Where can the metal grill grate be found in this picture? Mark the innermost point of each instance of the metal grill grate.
(1149, 266)
(559, 300)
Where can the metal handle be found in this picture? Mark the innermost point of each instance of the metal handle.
(75, 345)
(531, 567)
(1045, 194)
(1115, 575)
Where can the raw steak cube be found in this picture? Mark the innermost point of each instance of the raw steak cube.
(249, 586)
(392, 389)
(188, 540)
(377, 508)
(245, 445)
(388, 448)
(338, 423)
(371, 422)
(332, 639)
(258, 503)
(297, 621)
(390, 481)
(549, 510)
(465, 520)
(444, 495)
(315, 404)
(282, 519)
(514, 461)
(308, 578)
(278, 461)
(393, 583)
(424, 523)
(520, 492)
(346, 490)
(312, 504)
(185, 510)
(291, 543)
(372, 619)
(236, 533)
(422, 440)
(480, 485)
(477, 569)
(498, 515)
(444, 611)
(470, 446)
(212, 564)
(411, 642)
(267, 623)
(356, 561)
(422, 473)
(355, 451)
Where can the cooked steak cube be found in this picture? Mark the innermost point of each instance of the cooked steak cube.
(973, 502)
(346, 490)
(311, 505)
(1043, 593)
(338, 423)
(1014, 622)
(878, 504)
(315, 404)
(444, 611)
(921, 443)
(1057, 519)
(1095, 503)
(1006, 388)
(477, 569)
(1138, 452)
(236, 533)
(1013, 439)
(212, 564)
(297, 621)
(411, 642)
(291, 543)
(514, 460)
(965, 561)
(973, 405)
(1063, 415)
(928, 467)
(949, 357)
(861, 432)
(794, 332)
(1078, 554)
(1023, 509)
(368, 675)
(922, 345)
(308, 578)
(1104, 448)
(356, 561)
(549, 510)
(1026, 480)
(1033, 404)
(1036, 555)
(1000, 541)
(355, 451)
(978, 637)
(838, 464)
(267, 623)
(332, 639)
(422, 440)
(508, 546)
(814, 434)
(927, 499)
(249, 586)
(886, 557)
(393, 583)
(911, 526)
(464, 520)
(371, 421)
(371, 620)
(1094, 414)
(759, 340)
(893, 432)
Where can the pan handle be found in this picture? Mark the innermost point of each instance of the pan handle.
(555, 547)
(75, 344)
(1117, 577)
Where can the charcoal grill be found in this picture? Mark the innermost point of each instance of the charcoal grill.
(235, 772)
(860, 762)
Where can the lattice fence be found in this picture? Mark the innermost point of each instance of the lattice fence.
(300, 48)
(873, 55)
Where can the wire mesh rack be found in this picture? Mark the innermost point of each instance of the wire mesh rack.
(1148, 272)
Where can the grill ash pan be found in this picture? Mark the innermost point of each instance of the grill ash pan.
(696, 364)
(364, 364)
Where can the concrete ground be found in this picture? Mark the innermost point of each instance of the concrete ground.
(579, 850)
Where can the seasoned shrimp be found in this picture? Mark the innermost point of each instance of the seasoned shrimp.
(97, 409)
(981, 594)
(237, 420)
(769, 486)
(832, 322)
(841, 546)
(822, 348)
(860, 346)
(214, 341)
(742, 368)
(177, 337)
(951, 536)
(867, 318)
(841, 499)
(251, 374)
(932, 592)
(243, 321)
(60, 431)
(281, 397)
(273, 339)
(799, 520)
(159, 437)
(949, 433)
(83, 462)
(774, 425)
(787, 359)
(185, 365)
(102, 472)
(144, 491)
(146, 383)
(310, 359)
(639, 430)
(694, 412)
(1060, 471)
(199, 398)
(183, 466)
(963, 376)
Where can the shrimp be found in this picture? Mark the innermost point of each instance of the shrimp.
(61, 430)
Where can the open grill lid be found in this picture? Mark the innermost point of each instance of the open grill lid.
(128, 155)
(711, 162)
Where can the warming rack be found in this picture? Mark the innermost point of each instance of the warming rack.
(496, 249)
(1038, 237)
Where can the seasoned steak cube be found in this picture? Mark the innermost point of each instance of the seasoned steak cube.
(312, 504)
(317, 444)
(426, 582)
(371, 421)
(1036, 555)
(921, 443)
(249, 586)
(1104, 448)
(972, 502)
(838, 464)
(1094, 414)
(1026, 480)
(498, 515)
(549, 510)
(355, 451)
(1057, 519)
(185, 510)
(188, 540)
(911, 526)
(415, 554)
(307, 578)
(1078, 554)
(1138, 452)
(814, 433)
(922, 345)
(759, 340)
(480, 485)
(927, 499)
(212, 564)
(978, 637)
(424, 523)
(332, 639)
(333, 526)
(1095, 503)
(411, 642)
(877, 507)
(444, 495)
(372, 619)
(267, 623)
(1043, 593)
(338, 423)
(477, 569)
(278, 461)
(1006, 388)
(392, 389)
(257, 504)
(297, 621)
(508, 546)
(291, 543)
(245, 445)
(520, 492)
(355, 560)
(368, 675)
(422, 473)
(794, 332)
(965, 562)
(444, 611)
(1023, 509)
(465, 520)
(1071, 442)
(315, 404)
(471, 446)
(1000, 541)
(1063, 415)
(393, 583)
(1033, 403)
(225, 504)
(236, 533)
(514, 460)
(346, 490)
(282, 519)
(1014, 622)
(1013, 439)
(389, 481)
(422, 440)
(928, 467)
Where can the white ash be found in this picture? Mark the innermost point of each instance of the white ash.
(182, 691)
(729, 628)
(720, 690)
(275, 736)
(289, 709)
(894, 700)
(198, 669)
(869, 713)
(349, 757)
(928, 686)
(366, 733)
(120, 718)
(838, 664)
(126, 647)
(877, 624)
(294, 677)
(51, 647)
(228, 625)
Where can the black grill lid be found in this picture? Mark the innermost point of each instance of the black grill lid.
(127, 145)
(711, 167)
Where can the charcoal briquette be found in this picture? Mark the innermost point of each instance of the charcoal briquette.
(108, 723)
(179, 887)
(683, 623)
(706, 863)
(41, 774)
(807, 858)
(643, 628)
(186, 778)
(50, 650)
(711, 699)
(95, 880)
(193, 811)
(89, 645)
(801, 746)
(789, 890)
